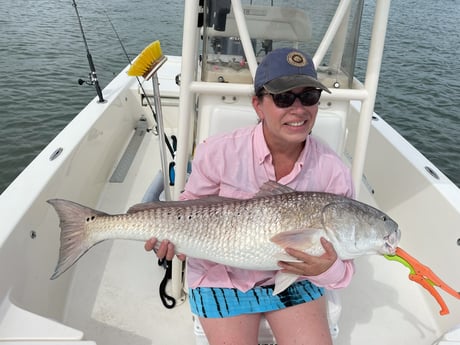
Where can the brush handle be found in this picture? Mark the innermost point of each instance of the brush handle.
(161, 136)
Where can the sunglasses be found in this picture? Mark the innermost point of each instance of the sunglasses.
(307, 97)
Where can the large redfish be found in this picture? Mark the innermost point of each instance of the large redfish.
(249, 234)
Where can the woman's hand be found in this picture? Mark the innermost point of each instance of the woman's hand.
(310, 265)
(163, 250)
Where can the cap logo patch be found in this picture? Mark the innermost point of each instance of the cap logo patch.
(296, 59)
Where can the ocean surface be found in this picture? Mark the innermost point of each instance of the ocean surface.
(42, 55)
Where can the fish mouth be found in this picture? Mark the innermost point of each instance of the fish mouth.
(392, 241)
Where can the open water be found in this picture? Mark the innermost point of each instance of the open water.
(42, 55)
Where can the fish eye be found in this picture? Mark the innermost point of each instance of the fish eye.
(384, 218)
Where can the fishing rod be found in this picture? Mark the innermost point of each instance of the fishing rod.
(92, 75)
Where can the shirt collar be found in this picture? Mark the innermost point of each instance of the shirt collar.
(260, 145)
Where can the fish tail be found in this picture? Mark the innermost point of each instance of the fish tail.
(74, 232)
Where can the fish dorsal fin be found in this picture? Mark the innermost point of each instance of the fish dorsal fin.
(270, 188)
(297, 239)
(214, 199)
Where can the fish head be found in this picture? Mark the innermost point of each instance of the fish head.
(357, 229)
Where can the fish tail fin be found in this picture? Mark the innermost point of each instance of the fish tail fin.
(74, 240)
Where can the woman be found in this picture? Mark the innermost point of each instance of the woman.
(231, 301)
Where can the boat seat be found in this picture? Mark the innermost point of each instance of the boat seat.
(216, 116)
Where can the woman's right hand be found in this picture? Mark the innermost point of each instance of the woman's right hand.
(164, 250)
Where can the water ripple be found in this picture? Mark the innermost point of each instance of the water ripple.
(43, 55)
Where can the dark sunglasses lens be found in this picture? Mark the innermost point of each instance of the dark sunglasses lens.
(286, 99)
(310, 97)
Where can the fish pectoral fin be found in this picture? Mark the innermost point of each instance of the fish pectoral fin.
(283, 281)
(298, 239)
(285, 257)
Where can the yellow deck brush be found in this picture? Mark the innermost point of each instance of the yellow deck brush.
(148, 61)
(147, 64)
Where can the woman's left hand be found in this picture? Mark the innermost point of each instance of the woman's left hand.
(310, 265)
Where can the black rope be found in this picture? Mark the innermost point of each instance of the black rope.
(168, 301)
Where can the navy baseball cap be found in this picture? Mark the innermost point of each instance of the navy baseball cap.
(285, 69)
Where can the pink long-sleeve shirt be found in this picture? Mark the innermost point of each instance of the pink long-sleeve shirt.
(236, 165)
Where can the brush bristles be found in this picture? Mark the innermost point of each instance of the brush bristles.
(146, 60)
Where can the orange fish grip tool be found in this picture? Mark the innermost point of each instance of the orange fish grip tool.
(424, 276)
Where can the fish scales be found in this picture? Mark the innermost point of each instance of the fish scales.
(234, 233)
(250, 234)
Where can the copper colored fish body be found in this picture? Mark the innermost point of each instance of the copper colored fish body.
(249, 234)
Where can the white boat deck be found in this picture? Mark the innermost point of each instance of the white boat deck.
(121, 304)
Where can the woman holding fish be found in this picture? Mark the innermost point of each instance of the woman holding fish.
(230, 301)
